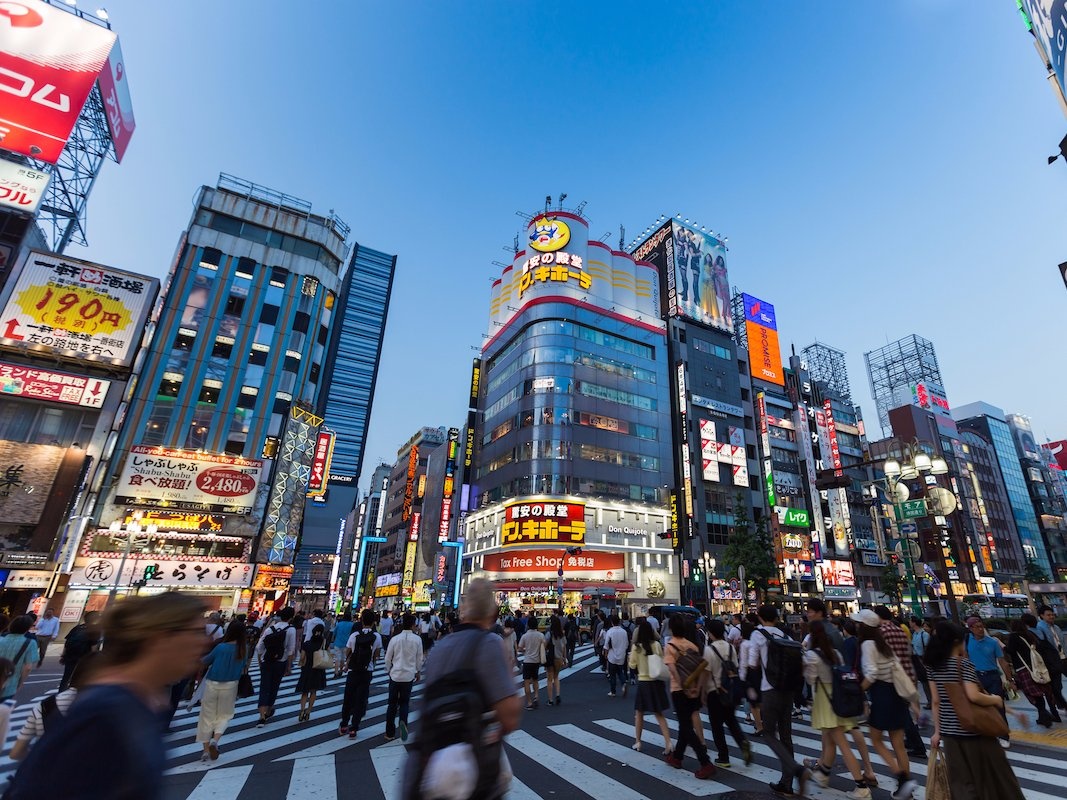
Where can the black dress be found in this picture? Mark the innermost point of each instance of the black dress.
(311, 679)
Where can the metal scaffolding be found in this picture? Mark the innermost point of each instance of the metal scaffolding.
(826, 365)
(900, 363)
(737, 309)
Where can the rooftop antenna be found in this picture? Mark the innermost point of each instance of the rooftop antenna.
(604, 237)
(622, 237)
(515, 244)
(548, 202)
(562, 197)
(580, 208)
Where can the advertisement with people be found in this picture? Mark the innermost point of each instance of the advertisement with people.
(700, 277)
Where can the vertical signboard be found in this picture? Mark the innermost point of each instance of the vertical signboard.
(115, 91)
(836, 499)
(687, 470)
(765, 445)
(320, 464)
(450, 484)
(761, 329)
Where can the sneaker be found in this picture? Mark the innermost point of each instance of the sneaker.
(262, 722)
(674, 762)
(1005, 743)
(705, 771)
(343, 730)
(746, 752)
(204, 758)
(550, 703)
(782, 788)
(859, 793)
(403, 731)
(611, 694)
(722, 764)
(820, 776)
(905, 790)
(352, 734)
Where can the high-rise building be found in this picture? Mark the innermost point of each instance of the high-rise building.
(897, 368)
(362, 554)
(221, 429)
(573, 434)
(349, 375)
(1045, 492)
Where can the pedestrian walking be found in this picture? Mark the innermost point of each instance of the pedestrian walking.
(509, 640)
(48, 712)
(385, 628)
(110, 744)
(1050, 646)
(1029, 667)
(318, 617)
(651, 696)
(341, 631)
(920, 637)
(978, 768)
(225, 663)
(777, 701)
(722, 697)
(573, 634)
(18, 646)
(615, 645)
(403, 664)
(899, 643)
(889, 711)
(312, 677)
(213, 627)
(46, 630)
(531, 652)
(683, 660)
(751, 677)
(274, 651)
(81, 640)
(363, 649)
(987, 657)
(555, 658)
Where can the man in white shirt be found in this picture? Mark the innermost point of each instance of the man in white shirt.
(274, 662)
(616, 643)
(529, 651)
(403, 662)
(363, 649)
(313, 622)
(777, 706)
(47, 629)
(213, 627)
(385, 629)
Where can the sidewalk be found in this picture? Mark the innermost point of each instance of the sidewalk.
(1054, 738)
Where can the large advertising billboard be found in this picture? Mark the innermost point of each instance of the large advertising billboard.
(49, 61)
(161, 477)
(761, 330)
(75, 310)
(31, 383)
(692, 264)
(115, 91)
(1049, 18)
(533, 522)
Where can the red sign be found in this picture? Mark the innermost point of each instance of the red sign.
(116, 93)
(49, 61)
(588, 564)
(56, 387)
(539, 522)
(1058, 451)
(441, 568)
(831, 427)
(320, 464)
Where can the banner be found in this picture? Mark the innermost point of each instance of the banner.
(17, 380)
(102, 572)
(320, 464)
(118, 106)
(21, 188)
(161, 477)
(588, 565)
(761, 329)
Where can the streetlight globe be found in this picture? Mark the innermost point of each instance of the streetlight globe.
(922, 462)
(938, 466)
(712, 563)
(891, 468)
(909, 472)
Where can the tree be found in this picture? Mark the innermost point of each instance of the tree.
(750, 548)
(893, 583)
(1034, 573)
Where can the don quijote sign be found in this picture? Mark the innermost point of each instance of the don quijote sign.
(160, 477)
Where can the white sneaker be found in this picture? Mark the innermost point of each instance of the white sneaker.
(906, 790)
(1005, 743)
(820, 777)
(859, 793)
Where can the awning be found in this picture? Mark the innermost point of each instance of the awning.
(550, 586)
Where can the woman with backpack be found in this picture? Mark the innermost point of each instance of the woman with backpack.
(820, 659)
(651, 693)
(1026, 661)
(225, 664)
(687, 668)
(312, 678)
(555, 658)
(723, 695)
(889, 711)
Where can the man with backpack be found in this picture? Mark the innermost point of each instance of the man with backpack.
(468, 706)
(81, 640)
(363, 648)
(275, 651)
(782, 662)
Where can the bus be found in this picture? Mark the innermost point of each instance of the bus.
(986, 606)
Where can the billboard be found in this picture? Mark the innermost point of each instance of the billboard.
(536, 522)
(27, 472)
(49, 61)
(75, 309)
(117, 103)
(31, 383)
(21, 188)
(107, 572)
(761, 329)
(589, 565)
(692, 264)
(320, 464)
(1049, 18)
(838, 573)
(1057, 452)
(160, 477)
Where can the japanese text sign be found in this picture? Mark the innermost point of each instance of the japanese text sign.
(160, 477)
(536, 522)
(159, 572)
(17, 380)
(21, 188)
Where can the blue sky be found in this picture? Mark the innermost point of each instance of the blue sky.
(880, 169)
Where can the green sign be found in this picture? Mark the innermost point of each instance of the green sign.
(150, 572)
(796, 517)
(769, 480)
(913, 509)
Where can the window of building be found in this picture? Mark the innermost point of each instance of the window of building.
(278, 276)
(208, 394)
(246, 267)
(185, 339)
(223, 348)
(211, 258)
(234, 447)
(248, 396)
(281, 405)
(313, 375)
(301, 321)
(291, 364)
(269, 315)
(258, 355)
(235, 305)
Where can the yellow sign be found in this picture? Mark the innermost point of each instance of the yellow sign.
(536, 522)
(559, 267)
(409, 567)
(387, 591)
(549, 235)
(74, 309)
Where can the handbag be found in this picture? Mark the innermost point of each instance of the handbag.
(1038, 669)
(657, 670)
(983, 720)
(322, 659)
(244, 686)
(937, 777)
(903, 683)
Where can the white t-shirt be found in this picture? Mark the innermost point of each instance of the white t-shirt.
(310, 624)
(386, 625)
(529, 646)
(215, 630)
(34, 726)
(375, 650)
(616, 643)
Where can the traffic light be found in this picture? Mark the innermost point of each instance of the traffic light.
(149, 572)
(574, 551)
(665, 535)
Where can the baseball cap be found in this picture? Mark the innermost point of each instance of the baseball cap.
(867, 617)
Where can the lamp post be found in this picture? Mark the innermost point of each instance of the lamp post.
(131, 529)
(707, 565)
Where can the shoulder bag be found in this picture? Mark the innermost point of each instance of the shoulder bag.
(322, 658)
(982, 720)
(657, 670)
(1038, 669)
(903, 683)
(244, 683)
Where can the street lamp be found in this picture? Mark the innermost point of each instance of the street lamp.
(131, 528)
(707, 564)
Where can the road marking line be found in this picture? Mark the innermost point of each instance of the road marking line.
(221, 784)
(581, 776)
(316, 777)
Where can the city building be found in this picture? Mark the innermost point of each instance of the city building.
(210, 470)
(1045, 492)
(362, 548)
(349, 376)
(897, 368)
(573, 438)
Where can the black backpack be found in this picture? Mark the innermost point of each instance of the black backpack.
(847, 699)
(362, 651)
(455, 711)
(784, 669)
(49, 712)
(730, 689)
(274, 643)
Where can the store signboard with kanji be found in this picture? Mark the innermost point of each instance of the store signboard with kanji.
(31, 383)
(534, 522)
(214, 483)
(587, 565)
(104, 572)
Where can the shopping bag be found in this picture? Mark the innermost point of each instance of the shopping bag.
(244, 685)
(937, 777)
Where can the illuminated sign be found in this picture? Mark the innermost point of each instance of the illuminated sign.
(30, 383)
(549, 235)
(413, 532)
(115, 92)
(320, 464)
(176, 521)
(450, 484)
(21, 188)
(75, 309)
(476, 382)
(558, 267)
(589, 565)
(831, 431)
(440, 572)
(269, 576)
(389, 579)
(674, 520)
(796, 517)
(687, 470)
(49, 61)
(838, 573)
(537, 522)
(409, 567)
(468, 449)
(765, 443)
(186, 480)
(409, 487)
(387, 591)
(761, 329)
(716, 405)
(159, 572)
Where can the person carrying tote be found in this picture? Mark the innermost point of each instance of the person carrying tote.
(651, 693)
(225, 663)
(978, 769)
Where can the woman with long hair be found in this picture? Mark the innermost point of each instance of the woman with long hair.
(225, 663)
(651, 696)
(555, 658)
(115, 726)
(977, 766)
(751, 678)
(1022, 655)
(889, 711)
(820, 658)
(311, 680)
(687, 700)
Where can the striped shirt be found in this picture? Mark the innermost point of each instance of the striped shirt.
(948, 722)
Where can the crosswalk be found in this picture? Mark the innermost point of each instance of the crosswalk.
(587, 757)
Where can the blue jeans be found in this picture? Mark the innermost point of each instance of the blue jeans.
(616, 673)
